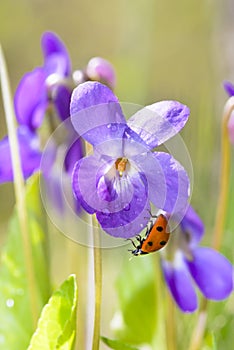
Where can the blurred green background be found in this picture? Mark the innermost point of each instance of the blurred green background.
(161, 49)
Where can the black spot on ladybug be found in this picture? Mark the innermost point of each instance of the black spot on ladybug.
(163, 242)
(159, 228)
(150, 243)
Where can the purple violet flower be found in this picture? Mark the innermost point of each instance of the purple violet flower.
(122, 176)
(41, 86)
(185, 264)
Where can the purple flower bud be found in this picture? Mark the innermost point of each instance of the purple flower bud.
(229, 88)
(101, 70)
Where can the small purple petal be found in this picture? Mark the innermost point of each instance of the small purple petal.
(100, 69)
(160, 121)
(51, 44)
(62, 101)
(133, 218)
(29, 152)
(229, 88)
(94, 105)
(31, 99)
(212, 272)
(191, 224)
(180, 283)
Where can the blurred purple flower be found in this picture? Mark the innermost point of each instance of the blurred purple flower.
(229, 88)
(44, 85)
(191, 264)
(122, 176)
(29, 152)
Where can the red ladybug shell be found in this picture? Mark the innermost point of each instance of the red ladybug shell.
(156, 238)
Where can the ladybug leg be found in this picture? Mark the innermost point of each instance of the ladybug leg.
(139, 238)
(133, 243)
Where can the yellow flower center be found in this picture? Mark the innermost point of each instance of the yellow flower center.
(120, 165)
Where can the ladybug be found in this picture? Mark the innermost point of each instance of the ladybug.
(156, 237)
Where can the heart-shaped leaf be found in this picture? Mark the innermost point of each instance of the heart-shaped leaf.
(57, 324)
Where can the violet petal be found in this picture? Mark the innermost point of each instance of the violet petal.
(62, 101)
(192, 224)
(180, 283)
(93, 105)
(212, 272)
(159, 122)
(133, 217)
(86, 183)
(29, 153)
(52, 44)
(167, 179)
(56, 66)
(31, 99)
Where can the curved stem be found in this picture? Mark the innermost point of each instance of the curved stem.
(199, 329)
(224, 176)
(98, 287)
(19, 187)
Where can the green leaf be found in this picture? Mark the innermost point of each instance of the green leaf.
(138, 299)
(117, 345)
(16, 325)
(209, 342)
(57, 324)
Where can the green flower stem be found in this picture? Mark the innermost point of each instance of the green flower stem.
(97, 266)
(199, 330)
(160, 337)
(170, 323)
(19, 186)
(225, 165)
(98, 285)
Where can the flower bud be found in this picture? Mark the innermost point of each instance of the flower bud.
(101, 70)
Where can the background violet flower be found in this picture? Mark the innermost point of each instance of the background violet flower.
(188, 264)
(122, 176)
(37, 88)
